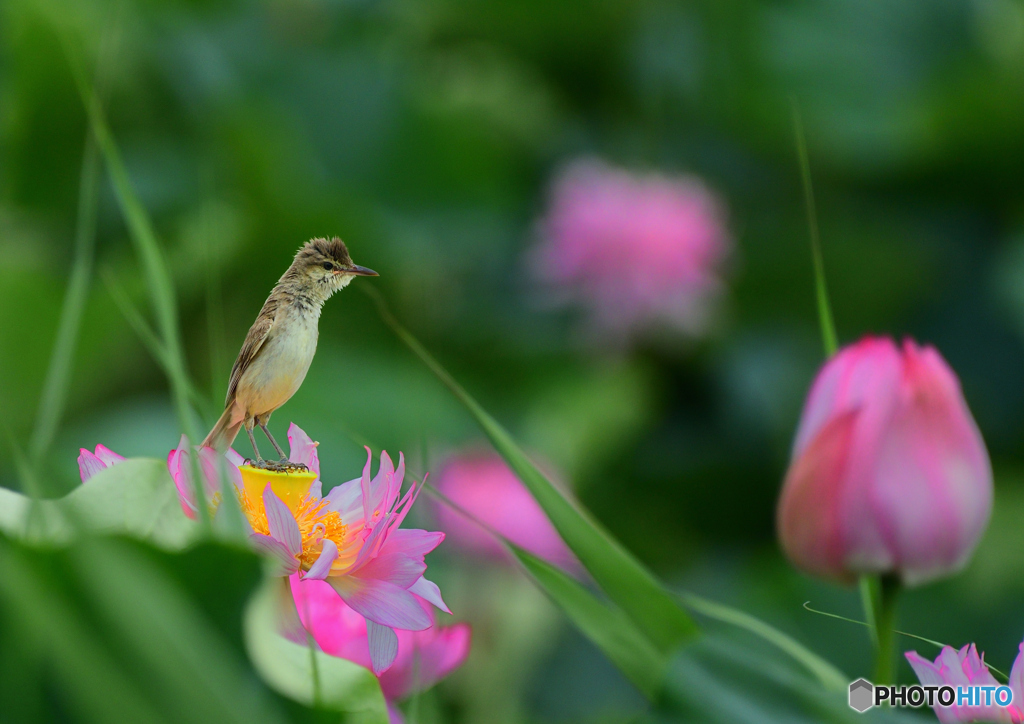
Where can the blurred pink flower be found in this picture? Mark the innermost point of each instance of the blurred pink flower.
(966, 668)
(90, 463)
(350, 538)
(424, 657)
(889, 471)
(484, 485)
(637, 250)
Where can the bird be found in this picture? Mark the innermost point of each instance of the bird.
(281, 343)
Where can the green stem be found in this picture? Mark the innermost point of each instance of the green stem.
(315, 667)
(884, 593)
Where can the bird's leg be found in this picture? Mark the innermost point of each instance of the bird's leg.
(283, 463)
(263, 426)
(259, 458)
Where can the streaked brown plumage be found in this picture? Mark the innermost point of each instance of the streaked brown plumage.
(281, 343)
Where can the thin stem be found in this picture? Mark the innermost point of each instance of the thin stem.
(314, 665)
(933, 642)
(868, 594)
(315, 668)
(26, 474)
(828, 327)
(214, 311)
(58, 374)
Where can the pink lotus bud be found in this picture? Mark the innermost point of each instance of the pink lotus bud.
(90, 463)
(889, 472)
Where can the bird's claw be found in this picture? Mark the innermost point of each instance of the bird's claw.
(280, 466)
(277, 466)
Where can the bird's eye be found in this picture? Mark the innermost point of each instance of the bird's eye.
(328, 266)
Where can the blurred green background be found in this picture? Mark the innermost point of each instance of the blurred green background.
(425, 134)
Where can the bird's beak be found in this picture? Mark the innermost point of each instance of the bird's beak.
(359, 271)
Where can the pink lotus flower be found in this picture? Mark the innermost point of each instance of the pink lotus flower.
(967, 668)
(350, 538)
(424, 657)
(483, 485)
(889, 471)
(637, 250)
(180, 466)
(90, 463)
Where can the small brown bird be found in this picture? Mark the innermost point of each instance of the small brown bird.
(281, 343)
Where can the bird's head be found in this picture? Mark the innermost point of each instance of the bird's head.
(326, 266)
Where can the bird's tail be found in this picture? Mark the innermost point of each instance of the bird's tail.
(224, 432)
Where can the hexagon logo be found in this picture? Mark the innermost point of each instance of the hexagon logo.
(862, 695)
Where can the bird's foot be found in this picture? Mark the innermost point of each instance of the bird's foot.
(276, 466)
(283, 466)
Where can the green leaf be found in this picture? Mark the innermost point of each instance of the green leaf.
(114, 630)
(607, 626)
(166, 638)
(740, 681)
(622, 577)
(831, 678)
(136, 497)
(97, 687)
(289, 668)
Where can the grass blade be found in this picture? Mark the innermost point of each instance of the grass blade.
(158, 278)
(728, 680)
(146, 335)
(622, 643)
(831, 678)
(135, 320)
(58, 375)
(605, 625)
(828, 327)
(143, 236)
(622, 577)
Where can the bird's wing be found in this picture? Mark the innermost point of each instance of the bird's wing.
(258, 334)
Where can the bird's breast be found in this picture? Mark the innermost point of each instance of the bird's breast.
(281, 365)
